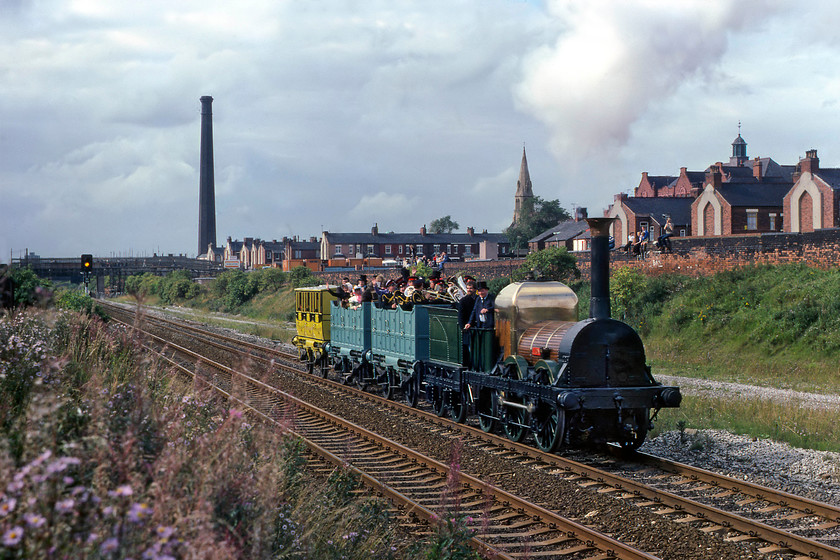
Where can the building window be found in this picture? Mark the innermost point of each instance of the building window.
(338, 249)
(400, 249)
(448, 247)
(752, 219)
(437, 248)
(772, 222)
(387, 249)
(456, 249)
(682, 233)
(419, 249)
(468, 249)
(370, 249)
(298, 254)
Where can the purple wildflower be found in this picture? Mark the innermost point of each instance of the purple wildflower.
(65, 506)
(164, 533)
(138, 512)
(13, 536)
(124, 490)
(34, 520)
(110, 545)
(7, 507)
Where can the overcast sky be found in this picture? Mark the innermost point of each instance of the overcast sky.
(335, 115)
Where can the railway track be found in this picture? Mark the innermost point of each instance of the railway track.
(787, 525)
(506, 526)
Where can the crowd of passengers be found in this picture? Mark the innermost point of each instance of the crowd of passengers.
(472, 299)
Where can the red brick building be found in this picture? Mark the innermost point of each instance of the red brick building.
(814, 201)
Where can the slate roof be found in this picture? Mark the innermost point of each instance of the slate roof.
(679, 208)
(830, 176)
(661, 180)
(754, 194)
(562, 231)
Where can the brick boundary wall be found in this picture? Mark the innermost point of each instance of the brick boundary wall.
(692, 255)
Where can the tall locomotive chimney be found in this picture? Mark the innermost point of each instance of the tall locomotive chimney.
(599, 302)
(206, 182)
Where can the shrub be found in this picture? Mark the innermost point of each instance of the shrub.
(552, 263)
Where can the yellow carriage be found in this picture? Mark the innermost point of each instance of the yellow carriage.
(312, 321)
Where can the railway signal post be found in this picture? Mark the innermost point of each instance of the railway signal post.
(87, 267)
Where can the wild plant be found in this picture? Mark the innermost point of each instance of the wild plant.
(115, 462)
(452, 533)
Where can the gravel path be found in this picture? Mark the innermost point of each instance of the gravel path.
(708, 388)
(805, 472)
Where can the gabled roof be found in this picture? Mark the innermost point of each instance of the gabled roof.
(661, 180)
(754, 194)
(678, 208)
(696, 176)
(562, 231)
(568, 235)
(235, 246)
(311, 245)
(273, 245)
(831, 176)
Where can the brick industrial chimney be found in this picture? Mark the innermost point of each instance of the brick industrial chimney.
(206, 182)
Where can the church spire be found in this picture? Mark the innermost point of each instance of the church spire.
(524, 189)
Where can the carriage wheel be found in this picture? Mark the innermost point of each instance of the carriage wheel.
(384, 378)
(549, 427)
(412, 389)
(324, 366)
(458, 408)
(310, 361)
(486, 410)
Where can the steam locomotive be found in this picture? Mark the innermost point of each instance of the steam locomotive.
(540, 371)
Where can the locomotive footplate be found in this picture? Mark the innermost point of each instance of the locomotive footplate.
(445, 377)
(572, 398)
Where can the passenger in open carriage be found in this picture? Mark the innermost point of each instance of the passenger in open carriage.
(391, 297)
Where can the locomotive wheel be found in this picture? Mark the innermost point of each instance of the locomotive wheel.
(412, 389)
(514, 424)
(438, 401)
(486, 410)
(549, 427)
(458, 407)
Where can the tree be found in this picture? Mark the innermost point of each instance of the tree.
(29, 288)
(443, 225)
(537, 216)
(552, 263)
